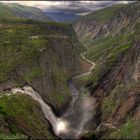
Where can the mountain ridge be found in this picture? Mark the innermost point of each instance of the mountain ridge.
(16, 10)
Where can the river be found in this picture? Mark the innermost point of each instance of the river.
(71, 123)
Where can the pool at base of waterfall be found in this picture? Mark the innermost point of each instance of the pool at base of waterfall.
(71, 123)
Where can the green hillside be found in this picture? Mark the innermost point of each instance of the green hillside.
(111, 36)
(109, 30)
(105, 14)
(17, 10)
(31, 54)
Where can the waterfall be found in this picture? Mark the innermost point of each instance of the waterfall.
(58, 124)
(72, 122)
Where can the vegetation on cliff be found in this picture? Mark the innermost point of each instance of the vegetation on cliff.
(22, 118)
(30, 54)
(113, 44)
(41, 54)
(45, 55)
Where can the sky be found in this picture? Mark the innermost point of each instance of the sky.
(77, 7)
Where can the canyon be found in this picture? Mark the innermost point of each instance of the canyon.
(65, 81)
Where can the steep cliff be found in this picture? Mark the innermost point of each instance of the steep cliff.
(102, 36)
(108, 21)
(43, 55)
(113, 44)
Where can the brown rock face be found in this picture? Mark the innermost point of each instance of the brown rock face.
(120, 86)
(91, 27)
(124, 109)
(117, 86)
(119, 92)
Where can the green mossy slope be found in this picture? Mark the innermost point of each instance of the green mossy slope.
(21, 118)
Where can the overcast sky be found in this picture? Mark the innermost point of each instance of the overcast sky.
(78, 7)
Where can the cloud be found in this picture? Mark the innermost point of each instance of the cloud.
(77, 7)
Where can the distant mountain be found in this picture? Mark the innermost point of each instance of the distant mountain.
(62, 16)
(17, 10)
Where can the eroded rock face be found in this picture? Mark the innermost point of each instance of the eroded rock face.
(117, 86)
(55, 63)
(92, 28)
(119, 92)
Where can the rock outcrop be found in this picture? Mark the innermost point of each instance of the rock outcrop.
(108, 21)
(115, 48)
